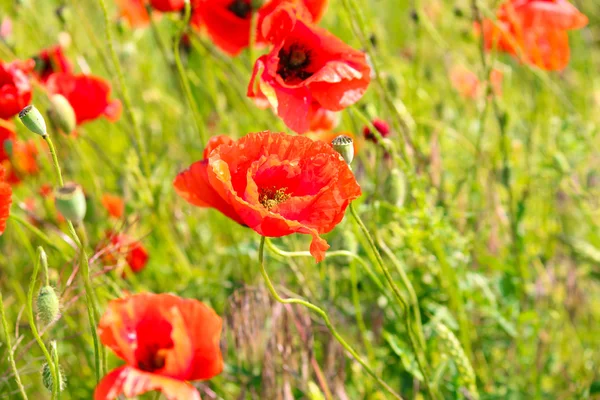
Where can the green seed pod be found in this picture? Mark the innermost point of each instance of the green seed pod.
(70, 201)
(48, 381)
(33, 120)
(61, 113)
(48, 305)
(343, 145)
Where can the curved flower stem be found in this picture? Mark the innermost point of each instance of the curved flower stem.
(11, 357)
(325, 318)
(90, 295)
(184, 79)
(34, 331)
(141, 145)
(418, 344)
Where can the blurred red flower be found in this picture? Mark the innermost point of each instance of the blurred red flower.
(274, 183)
(535, 31)
(5, 200)
(165, 341)
(114, 205)
(228, 22)
(134, 12)
(88, 95)
(468, 85)
(49, 61)
(123, 246)
(306, 65)
(382, 127)
(15, 87)
(167, 5)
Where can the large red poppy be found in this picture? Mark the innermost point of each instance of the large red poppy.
(274, 183)
(228, 22)
(15, 88)
(306, 65)
(165, 341)
(49, 61)
(88, 95)
(535, 31)
(5, 200)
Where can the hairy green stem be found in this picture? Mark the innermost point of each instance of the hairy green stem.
(325, 318)
(11, 357)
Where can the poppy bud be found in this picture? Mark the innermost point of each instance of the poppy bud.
(70, 201)
(343, 145)
(48, 305)
(48, 381)
(62, 114)
(33, 120)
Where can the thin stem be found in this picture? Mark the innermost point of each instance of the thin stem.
(418, 347)
(40, 234)
(141, 146)
(31, 319)
(11, 357)
(325, 318)
(184, 79)
(55, 162)
(58, 382)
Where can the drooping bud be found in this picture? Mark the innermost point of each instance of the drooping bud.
(343, 145)
(70, 201)
(61, 113)
(48, 381)
(33, 120)
(48, 305)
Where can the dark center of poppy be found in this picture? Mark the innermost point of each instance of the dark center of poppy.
(240, 8)
(153, 359)
(270, 197)
(293, 63)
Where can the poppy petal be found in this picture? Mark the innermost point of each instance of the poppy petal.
(5, 202)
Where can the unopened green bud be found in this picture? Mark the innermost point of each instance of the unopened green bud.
(48, 305)
(343, 145)
(33, 120)
(62, 114)
(70, 201)
(48, 380)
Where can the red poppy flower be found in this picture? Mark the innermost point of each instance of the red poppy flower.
(535, 31)
(134, 12)
(123, 246)
(167, 5)
(274, 183)
(165, 341)
(228, 22)
(5, 200)
(382, 127)
(49, 61)
(306, 65)
(468, 85)
(15, 88)
(88, 95)
(114, 205)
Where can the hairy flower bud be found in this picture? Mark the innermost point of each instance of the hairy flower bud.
(33, 120)
(48, 380)
(48, 305)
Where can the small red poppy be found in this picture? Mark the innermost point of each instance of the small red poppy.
(88, 95)
(49, 61)
(274, 183)
(134, 12)
(114, 205)
(306, 65)
(535, 31)
(382, 127)
(15, 88)
(123, 246)
(468, 85)
(5, 200)
(228, 22)
(165, 341)
(167, 5)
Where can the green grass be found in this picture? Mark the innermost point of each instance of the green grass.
(522, 301)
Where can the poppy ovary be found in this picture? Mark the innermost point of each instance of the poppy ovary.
(270, 197)
(293, 63)
(240, 8)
